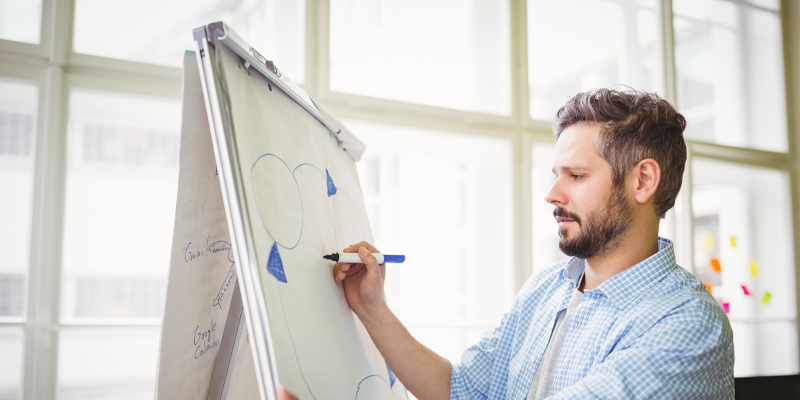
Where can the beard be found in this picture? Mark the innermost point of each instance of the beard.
(600, 231)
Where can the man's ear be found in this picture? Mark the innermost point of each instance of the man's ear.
(646, 177)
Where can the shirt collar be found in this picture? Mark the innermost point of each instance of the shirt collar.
(629, 284)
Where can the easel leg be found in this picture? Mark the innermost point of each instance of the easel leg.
(226, 358)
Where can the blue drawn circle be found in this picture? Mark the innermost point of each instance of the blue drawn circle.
(270, 174)
(374, 387)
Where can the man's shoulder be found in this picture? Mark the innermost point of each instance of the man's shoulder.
(681, 297)
(545, 280)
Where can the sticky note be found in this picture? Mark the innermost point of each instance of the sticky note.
(726, 307)
(708, 286)
(765, 299)
(754, 268)
(746, 292)
(708, 242)
(733, 241)
(715, 264)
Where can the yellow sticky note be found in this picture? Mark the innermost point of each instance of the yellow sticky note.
(733, 241)
(754, 268)
(708, 241)
(765, 299)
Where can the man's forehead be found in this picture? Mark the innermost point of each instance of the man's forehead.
(576, 147)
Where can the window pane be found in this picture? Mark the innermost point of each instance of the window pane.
(158, 31)
(12, 347)
(17, 137)
(445, 201)
(743, 250)
(576, 45)
(122, 179)
(446, 53)
(107, 363)
(729, 62)
(545, 229)
(21, 20)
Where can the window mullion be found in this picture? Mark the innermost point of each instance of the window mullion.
(41, 343)
(790, 18)
(670, 81)
(312, 39)
(519, 62)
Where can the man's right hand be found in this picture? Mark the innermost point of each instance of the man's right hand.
(363, 283)
(423, 372)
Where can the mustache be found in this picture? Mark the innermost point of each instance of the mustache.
(563, 213)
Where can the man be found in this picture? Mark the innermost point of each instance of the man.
(619, 319)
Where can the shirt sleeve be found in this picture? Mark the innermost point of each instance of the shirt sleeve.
(472, 377)
(679, 357)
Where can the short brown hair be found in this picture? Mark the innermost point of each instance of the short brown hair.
(636, 125)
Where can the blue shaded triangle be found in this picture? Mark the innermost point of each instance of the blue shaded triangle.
(331, 186)
(392, 378)
(275, 265)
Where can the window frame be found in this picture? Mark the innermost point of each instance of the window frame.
(55, 69)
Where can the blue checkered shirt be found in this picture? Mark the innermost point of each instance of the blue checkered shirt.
(652, 331)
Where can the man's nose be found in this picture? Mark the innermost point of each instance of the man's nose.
(556, 196)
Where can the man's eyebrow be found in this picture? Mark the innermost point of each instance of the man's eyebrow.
(571, 169)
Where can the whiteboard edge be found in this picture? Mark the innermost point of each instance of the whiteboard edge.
(254, 309)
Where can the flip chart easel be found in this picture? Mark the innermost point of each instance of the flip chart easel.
(285, 170)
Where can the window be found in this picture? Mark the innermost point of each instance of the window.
(12, 344)
(576, 45)
(20, 20)
(17, 137)
(729, 63)
(454, 54)
(743, 251)
(122, 180)
(447, 205)
(131, 30)
(454, 100)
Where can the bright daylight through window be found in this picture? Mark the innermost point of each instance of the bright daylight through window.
(455, 104)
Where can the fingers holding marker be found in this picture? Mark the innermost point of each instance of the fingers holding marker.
(340, 271)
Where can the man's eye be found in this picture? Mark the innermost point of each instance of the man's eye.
(577, 177)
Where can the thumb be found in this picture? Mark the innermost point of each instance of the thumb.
(284, 394)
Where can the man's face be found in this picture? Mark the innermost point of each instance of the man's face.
(592, 214)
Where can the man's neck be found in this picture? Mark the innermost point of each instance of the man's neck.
(633, 247)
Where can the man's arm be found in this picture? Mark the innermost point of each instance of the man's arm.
(423, 372)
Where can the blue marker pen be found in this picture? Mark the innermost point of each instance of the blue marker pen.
(353, 258)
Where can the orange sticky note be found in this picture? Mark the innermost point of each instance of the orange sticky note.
(754, 268)
(765, 299)
(708, 286)
(715, 264)
(733, 241)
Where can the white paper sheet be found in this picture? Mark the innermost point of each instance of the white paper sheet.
(303, 199)
(202, 274)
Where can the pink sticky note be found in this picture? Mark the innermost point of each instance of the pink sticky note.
(726, 307)
(746, 292)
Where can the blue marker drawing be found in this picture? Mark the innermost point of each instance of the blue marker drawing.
(287, 246)
(331, 186)
(392, 378)
(368, 377)
(275, 264)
